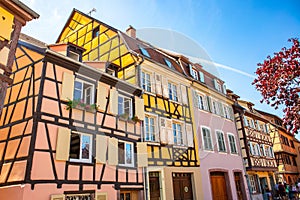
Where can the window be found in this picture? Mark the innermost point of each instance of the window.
(169, 64)
(202, 102)
(294, 161)
(84, 92)
(172, 92)
(253, 183)
(144, 51)
(126, 154)
(255, 149)
(207, 142)
(124, 106)
(81, 147)
(194, 74)
(292, 144)
(232, 144)
(73, 55)
(201, 77)
(271, 152)
(221, 142)
(177, 132)
(217, 85)
(146, 81)
(96, 32)
(215, 108)
(150, 131)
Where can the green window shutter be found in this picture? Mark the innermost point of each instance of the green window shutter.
(201, 75)
(101, 148)
(67, 88)
(63, 144)
(113, 101)
(102, 94)
(142, 155)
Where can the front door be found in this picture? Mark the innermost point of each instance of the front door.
(129, 195)
(154, 186)
(239, 185)
(218, 186)
(182, 186)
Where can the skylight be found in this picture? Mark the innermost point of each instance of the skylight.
(144, 51)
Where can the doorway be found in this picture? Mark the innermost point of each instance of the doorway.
(182, 186)
(218, 186)
(154, 185)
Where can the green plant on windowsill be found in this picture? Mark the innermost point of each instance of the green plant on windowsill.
(77, 103)
(124, 116)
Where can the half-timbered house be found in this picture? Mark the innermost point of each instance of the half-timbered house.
(173, 165)
(256, 144)
(284, 149)
(68, 130)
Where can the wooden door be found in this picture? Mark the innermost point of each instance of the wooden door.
(129, 195)
(182, 186)
(238, 185)
(154, 186)
(218, 185)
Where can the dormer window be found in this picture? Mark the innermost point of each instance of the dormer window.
(168, 63)
(144, 51)
(74, 55)
(96, 32)
(194, 74)
(217, 85)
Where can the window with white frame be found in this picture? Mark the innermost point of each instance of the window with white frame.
(126, 156)
(172, 91)
(146, 81)
(201, 102)
(150, 126)
(207, 141)
(81, 147)
(253, 183)
(214, 107)
(177, 132)
(194, 74)
(221, 141)
(255, 148)
(232, 144)
(226, 112)
(83, 92)
(125, 106)
(271, 152)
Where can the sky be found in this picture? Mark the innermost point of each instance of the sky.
(235, 34)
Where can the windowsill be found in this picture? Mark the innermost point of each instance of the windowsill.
(180, 146)
(126, 166)
(72, 160)
(223, 152)
(149, 93)
(154, 143)
(173, 101)
(84, 109)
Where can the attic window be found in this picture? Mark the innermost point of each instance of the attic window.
(169, 64)
(74, 55)
(96, 32)
(144, 51)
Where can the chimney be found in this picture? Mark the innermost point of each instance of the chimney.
(131, 31)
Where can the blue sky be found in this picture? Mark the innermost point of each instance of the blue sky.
(236, 34)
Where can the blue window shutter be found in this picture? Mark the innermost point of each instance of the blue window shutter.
(201, 75)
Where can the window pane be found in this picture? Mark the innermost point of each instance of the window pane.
(75, 146)
(128, 154)
(85, 147)
(170, 91)
(121, 155)
(120, 105)
(147, 128)
(88, 95)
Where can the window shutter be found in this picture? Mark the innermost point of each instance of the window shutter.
(153, 86)
(209, 104)
(113, 101)
(102, 93)
(63, 143)
(252, 123)
(4, 55)
(57, 197)
(201, 76)
(158, 84)
(67, 88)
(184, 94)
(184, 135)
(163, 130)
(113, 151)
(165, 87)
(195, 99)
(170, 135)
(224, 88)
(190, 135)
(267, 128)
(139, 108)
(251, 148)
(221, 111)
(142, 155)
(191, 70)
(216, 84)
(263, 150)
(258, 126)
(101, 196)
(179, 93)
(245, 121)
(101, 148)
